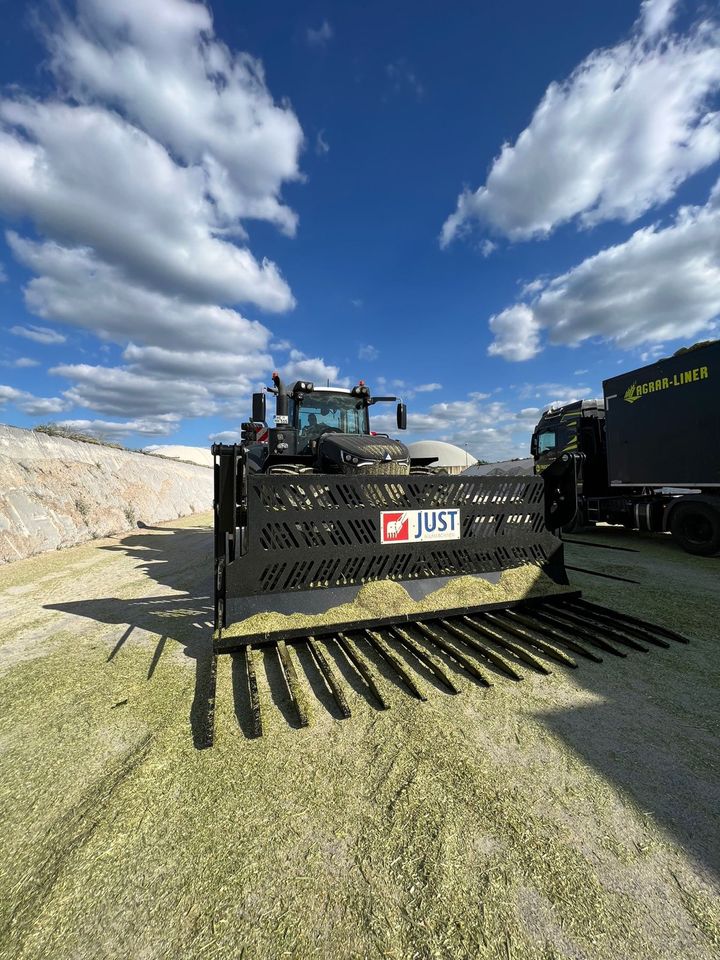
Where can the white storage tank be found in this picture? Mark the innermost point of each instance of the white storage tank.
(450, 458)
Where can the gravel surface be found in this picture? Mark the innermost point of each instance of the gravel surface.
(569, 816)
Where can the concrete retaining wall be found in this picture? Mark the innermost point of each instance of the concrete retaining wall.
(56, 493)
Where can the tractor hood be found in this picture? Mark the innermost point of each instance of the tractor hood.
(354, 453)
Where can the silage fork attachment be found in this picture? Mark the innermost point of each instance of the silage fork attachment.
(308, 544)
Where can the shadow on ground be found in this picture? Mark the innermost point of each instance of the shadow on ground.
(661, 763)
(181, 559)
(653, 730)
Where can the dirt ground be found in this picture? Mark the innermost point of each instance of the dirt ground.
(569, 816)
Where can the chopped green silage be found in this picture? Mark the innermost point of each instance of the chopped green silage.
(385, 598)
(541, 819)
(705, 911)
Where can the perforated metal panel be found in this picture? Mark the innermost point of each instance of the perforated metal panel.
(313, 532)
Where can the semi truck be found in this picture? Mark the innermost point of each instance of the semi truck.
(648, 452)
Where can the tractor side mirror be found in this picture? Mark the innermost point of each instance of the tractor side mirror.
(259, 413)
(402, 416)
(534, 445)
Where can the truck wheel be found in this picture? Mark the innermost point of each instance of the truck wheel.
(696, 527)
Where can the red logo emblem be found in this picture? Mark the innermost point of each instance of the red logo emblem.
(395, 527)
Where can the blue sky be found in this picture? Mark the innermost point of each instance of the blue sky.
(484, 212)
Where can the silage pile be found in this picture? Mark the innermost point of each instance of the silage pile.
(385, 598)
(569, 816)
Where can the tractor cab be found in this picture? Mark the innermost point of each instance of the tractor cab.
(326, 410)
(324, 430)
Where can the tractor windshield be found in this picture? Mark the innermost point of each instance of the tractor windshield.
(319, 412)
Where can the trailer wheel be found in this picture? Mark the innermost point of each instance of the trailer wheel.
(696, 527)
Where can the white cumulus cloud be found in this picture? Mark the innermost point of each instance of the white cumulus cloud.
(29, 403)
(613, 140)
(140, 173)
(115, 430)
(226, 436)
(90, 179)
(661, 284)
(20, 362)
(123, 392)
(492, 430)
(517, 333)
(44, 335)
(656, 15)
(300, 367)
(162, 65)
(320, 36)
(368, 352)
(215, 368)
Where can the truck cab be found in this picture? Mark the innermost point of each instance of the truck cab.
(577, 427)
(649, 451)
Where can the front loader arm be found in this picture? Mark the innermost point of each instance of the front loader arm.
(230, 510)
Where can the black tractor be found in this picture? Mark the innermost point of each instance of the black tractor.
(324, 430)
